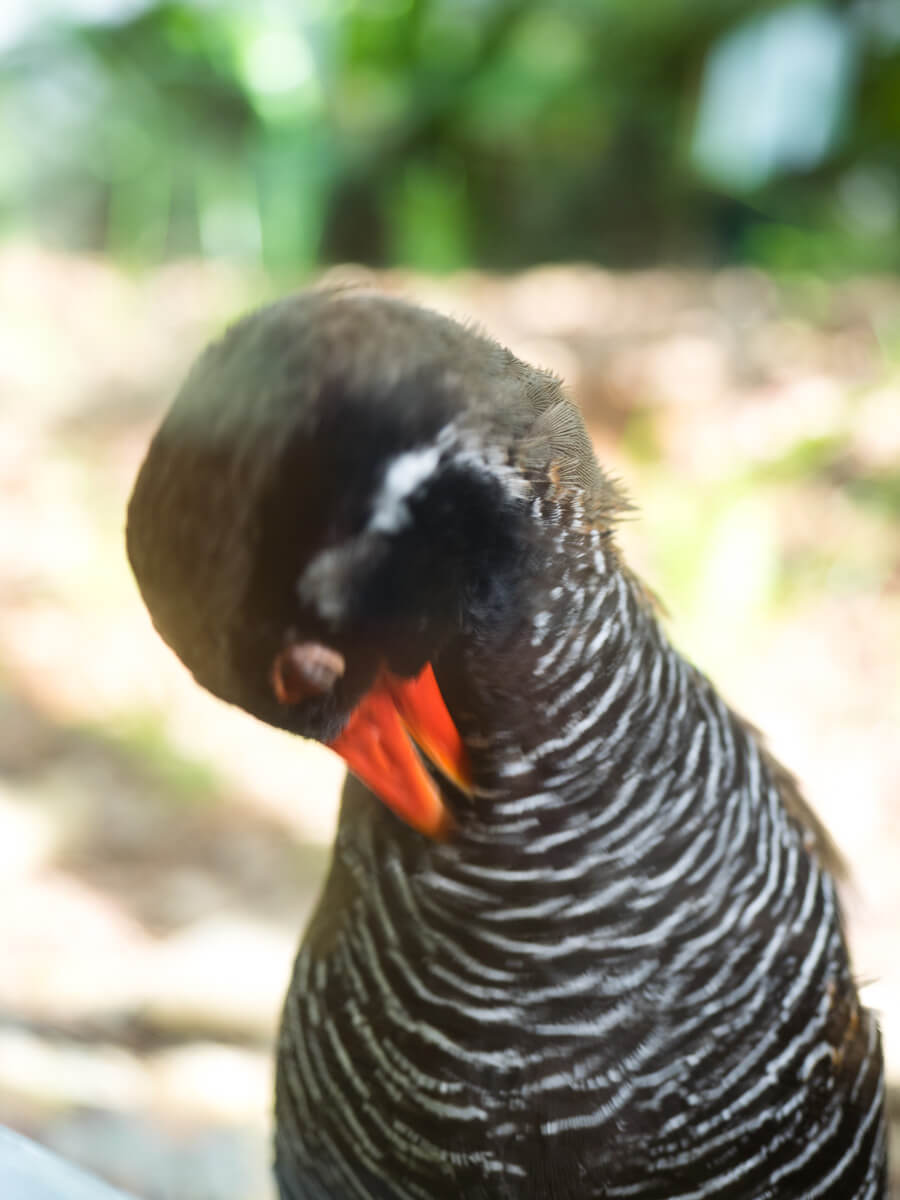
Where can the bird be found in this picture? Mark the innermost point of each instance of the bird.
(581, 935)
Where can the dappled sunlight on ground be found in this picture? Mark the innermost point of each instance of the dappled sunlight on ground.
(159, 852)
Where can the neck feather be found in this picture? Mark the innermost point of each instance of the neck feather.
(601, 756)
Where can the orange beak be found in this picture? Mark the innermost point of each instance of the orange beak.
(377, 747)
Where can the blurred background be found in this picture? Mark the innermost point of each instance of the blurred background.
(690, 210)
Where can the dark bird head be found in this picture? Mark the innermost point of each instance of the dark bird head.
(343, 494)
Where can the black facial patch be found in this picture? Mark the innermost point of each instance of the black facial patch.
(459, 563)
(320, 496)
(454, 565)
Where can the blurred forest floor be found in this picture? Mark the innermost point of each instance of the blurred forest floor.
(159, 852)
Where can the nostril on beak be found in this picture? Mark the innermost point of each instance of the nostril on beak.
(304, 669)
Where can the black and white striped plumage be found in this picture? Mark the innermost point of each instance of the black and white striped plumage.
(624, 974)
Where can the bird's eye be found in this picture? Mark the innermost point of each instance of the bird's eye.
(304, 669)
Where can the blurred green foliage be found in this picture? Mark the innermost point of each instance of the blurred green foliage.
(442, 133)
